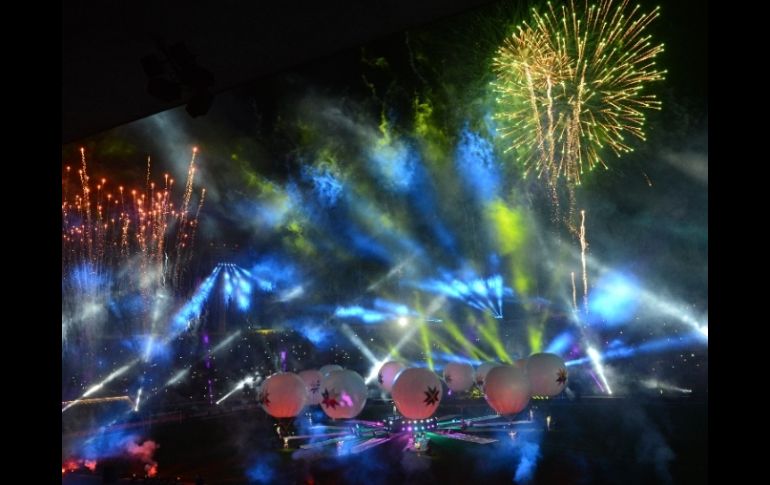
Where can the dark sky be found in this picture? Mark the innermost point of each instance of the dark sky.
(659, 231)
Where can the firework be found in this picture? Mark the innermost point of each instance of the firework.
(583, 247)
(570, 84)
(106, 233)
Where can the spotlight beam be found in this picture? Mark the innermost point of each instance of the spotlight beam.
(433, 306)
(241, 384)
(355, 340)
(114, 375)
(597, 363)
(221, 345)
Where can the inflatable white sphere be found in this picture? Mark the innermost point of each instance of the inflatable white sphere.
(343, 394)
(417, 393)
(547, 374)
(387, 375)
(481, 372)
(507, 389)
(329, 368)
(312, 379)
(458, 376)
(283, 395)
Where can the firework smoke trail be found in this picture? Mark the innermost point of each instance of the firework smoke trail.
(583, 247)
(183, 223)
(147, 184)
(588, 342)
(66, 183)
(194, 224)
(87, 202)
(569, 84)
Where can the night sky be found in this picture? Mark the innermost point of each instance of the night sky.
(647, 217)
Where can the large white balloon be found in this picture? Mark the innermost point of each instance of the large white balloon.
(343, 394)
(507, 389)
(416, 393)
(458, 376)
(329, 368)
(481, 372)
(312, 379)
(547, 374)
(283, 395)
(388, 373)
